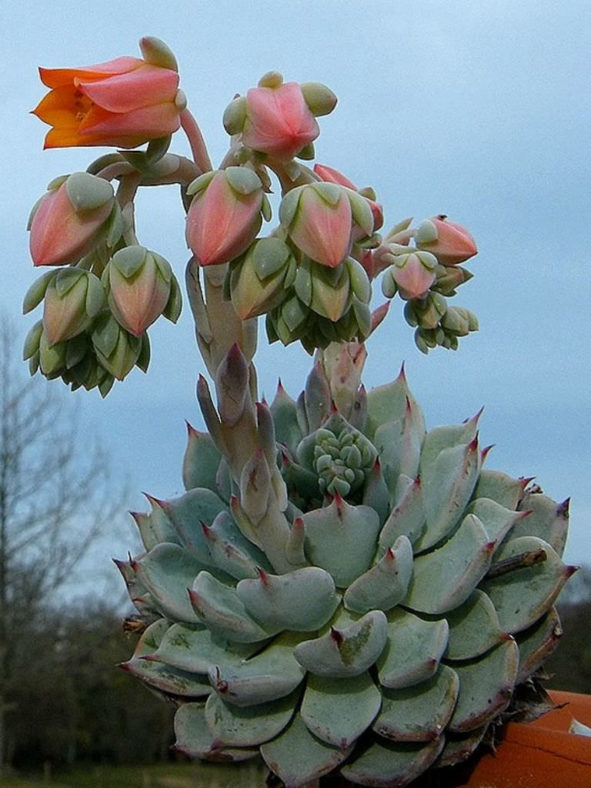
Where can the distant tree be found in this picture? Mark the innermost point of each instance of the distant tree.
(76, 706)
(570, 666)
(53, 505)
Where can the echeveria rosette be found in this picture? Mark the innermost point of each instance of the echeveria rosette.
(420, 595)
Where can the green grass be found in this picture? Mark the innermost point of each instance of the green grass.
(175, 775)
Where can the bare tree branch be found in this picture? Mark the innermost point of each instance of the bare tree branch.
(53, 502)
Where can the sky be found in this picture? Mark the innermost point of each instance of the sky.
(479, 110)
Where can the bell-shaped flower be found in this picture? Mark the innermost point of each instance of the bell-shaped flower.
(66, 221)
(414, 273)
(274, 118)
(72, 300)
(123, 102)
(449, 242)
(330, 175)
(322, 218)
(140, 284)
(225, 214)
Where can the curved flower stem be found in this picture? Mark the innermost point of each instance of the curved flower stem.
(196, 141)
(115, 170)
(128, 186)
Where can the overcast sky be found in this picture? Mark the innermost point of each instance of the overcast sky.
(480, 110)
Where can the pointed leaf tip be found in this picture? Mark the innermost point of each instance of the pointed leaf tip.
(562, 509)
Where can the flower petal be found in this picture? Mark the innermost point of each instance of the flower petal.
(56, 77)
(143, 87)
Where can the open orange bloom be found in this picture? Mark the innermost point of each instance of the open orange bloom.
(124, 102)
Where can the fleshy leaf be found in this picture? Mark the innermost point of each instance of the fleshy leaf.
(537, 643)
(155, 527)
(420, 712)
(167, 571)
(473, 627)
(486, 685)
(201, 461)
(341, 539)
(445, 578)
(163, 677)
(302, 600)
(193, 649)
(385, 764)
(270, 675)
(245, 726)
(501, 488)
(448, 477)
(222, 610)
(187, 514)
(339, 710)
(548, 520)
(348, 651)
(407, 517)
(287, 430)
(389, 402)
(459, 746)
(496, 519)
(297, 757)
(413, 651)
(385, 584)
(523, 595)
(195, 739)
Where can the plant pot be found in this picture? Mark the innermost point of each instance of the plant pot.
(540, 754)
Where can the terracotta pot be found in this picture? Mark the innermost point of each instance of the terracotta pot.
(540, 754)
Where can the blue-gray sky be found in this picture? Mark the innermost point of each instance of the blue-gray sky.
(479, 110)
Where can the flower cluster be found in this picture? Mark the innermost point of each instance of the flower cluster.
(311, 275)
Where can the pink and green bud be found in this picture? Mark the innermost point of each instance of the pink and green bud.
(258, 280)
(411, 274)
(330, 175)
(225, 215)
(140, 285)
(123, 102)
(67, 220)
(274, 118)
(449, 242)
(322, 219)
(116, 349)
(72, 301)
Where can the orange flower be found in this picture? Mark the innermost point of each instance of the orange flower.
(124, 102)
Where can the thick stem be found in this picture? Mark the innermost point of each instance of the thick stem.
(217, 326)
(126, 192)
(196, 141)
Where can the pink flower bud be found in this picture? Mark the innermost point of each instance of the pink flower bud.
(320, 221)
(72, 301)
(139, 284)
(124, 102)
(449, 242)
(225, 214)
(278, 121)
(414, 274)
(330, 175)
(67, 219)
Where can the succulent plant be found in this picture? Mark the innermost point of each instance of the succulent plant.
(414, 594)
(338, 589)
